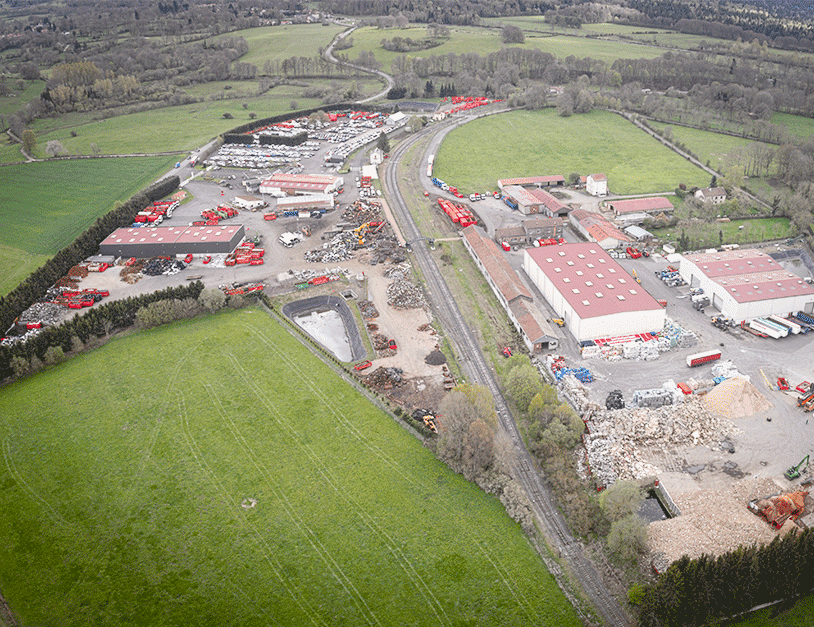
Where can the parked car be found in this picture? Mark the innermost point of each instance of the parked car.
(363, 364)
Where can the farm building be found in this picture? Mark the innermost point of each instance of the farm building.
(744, 284)
(248, 202)
(531, 201)
(144, 243)
(514, 235)
(596, 228)
(650, 205)
(713, 195)
(323, 202)
(638, 233)
(553, 180)
(510, 291)
(591, 292)
(301, 183)
(597, 185)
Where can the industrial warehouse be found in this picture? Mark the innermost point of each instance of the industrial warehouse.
(744, 284)
(591, 292)
(172, 240)
(293, 184)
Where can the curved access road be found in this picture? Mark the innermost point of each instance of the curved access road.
(329, 55)
(477, 369)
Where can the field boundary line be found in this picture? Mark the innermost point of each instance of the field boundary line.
(192, 443)
(307, 532)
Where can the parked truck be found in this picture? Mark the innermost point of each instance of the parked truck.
(698, 359)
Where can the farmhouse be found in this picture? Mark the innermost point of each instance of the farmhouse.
(596, 228)
(744, 284)
(172, 240)
(591, 292)
(249, 202)
(529, 231)
(510, 291)
(530, 201)
(597, 185)
(301, 183)
(555, 180)
(651, 205)
(713, 195)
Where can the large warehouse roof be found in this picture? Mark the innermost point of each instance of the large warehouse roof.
(170, 240)
(593, 284)
(643, 205)
(749, 275)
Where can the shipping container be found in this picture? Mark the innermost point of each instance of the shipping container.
(702, 358)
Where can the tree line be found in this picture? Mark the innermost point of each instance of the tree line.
(36, 284)
(703, 591)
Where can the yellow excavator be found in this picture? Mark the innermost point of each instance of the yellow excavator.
(636, 277)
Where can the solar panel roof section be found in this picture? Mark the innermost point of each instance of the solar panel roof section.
(599, 279)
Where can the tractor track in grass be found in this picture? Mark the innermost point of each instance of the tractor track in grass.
(311, 537)
(233, 506)
(330, 403)
(369, 521)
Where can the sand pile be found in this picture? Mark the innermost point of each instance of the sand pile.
(735, 398)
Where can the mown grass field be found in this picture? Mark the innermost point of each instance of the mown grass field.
(129, 481)
(796, 125)
(531, 143)
(45, 206)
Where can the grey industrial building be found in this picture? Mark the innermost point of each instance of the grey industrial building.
(147, 242)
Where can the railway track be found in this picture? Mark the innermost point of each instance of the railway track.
(477, 369)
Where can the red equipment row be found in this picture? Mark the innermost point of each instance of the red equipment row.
(76, 299)
(157, 211)
(459, 214)
(246, 254)
(243, 289)
(320, 280)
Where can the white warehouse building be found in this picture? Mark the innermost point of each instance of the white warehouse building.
(744, 284)
(592, 293)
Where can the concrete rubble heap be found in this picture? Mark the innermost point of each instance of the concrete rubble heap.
(615, 436)
(301, 276)
(339, 248)
(672, 336)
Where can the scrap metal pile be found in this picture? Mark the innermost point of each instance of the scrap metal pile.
(385, 378)
(368, 309)
(339, 248)
(403, 293)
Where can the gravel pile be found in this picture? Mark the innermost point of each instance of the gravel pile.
(435, 358)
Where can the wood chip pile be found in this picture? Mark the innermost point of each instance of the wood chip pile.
(735, 398)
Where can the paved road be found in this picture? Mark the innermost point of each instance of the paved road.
(329, 55)
(479, 372)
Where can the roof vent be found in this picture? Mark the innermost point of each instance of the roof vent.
(609, 285)
(570, 263)
(590, 265)
(581, 256)
(622, 281)
(549, 260)
(600, 276)
(601, 260)
(557, 269)
(566, 280)
(561, 254)
(754, 287)
(589, 283)
(598, 294)
(579, 273)
(612, 270)
(634, 292)
(620, 297)
(585, 302)
(575, 291)
(592, 251)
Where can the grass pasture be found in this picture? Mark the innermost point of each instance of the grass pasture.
(531, 143)
(796, 125)
(798, 615)
(275, 43)
(129, 477)
(45, 206)
(706, 234)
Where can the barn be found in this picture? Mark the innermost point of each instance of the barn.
(744, 284)
(596, 228)
(591, 292)
(651, 205)
(169, 241)
(293, 184)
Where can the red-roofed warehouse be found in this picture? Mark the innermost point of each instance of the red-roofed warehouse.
(592, 293)
(745, 284)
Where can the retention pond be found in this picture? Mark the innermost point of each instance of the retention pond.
(330, 322)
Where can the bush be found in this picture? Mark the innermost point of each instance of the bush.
(635, 595)
(628, 539)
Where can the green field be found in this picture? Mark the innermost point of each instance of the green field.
(799, 615)
(485, 41)
(45, 206)
(214, 472)
(716, 148)
(532, 143)
(706, 234)
(282, 42)
(796, 125)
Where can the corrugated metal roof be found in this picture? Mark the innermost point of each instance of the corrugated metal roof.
(532, 180)
(506, 279)
(593, 284)
(644, 205)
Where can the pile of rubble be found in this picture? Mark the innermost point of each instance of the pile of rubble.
(363, 210)
(368, 309)
(672, 336)
(11, 340)
(301, 276)
(735, 398)
(379, 341)
(385, 378)
(403, 294)
(399, 271)
(339, 248)
(613, 437)
(161, 265)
